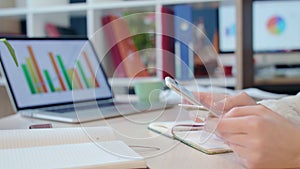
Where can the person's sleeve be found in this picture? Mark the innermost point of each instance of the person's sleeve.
(288, 107)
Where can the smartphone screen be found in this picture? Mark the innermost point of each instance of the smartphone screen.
(188, 95)
(172, 84)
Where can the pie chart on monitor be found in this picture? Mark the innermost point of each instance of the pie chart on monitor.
(276, 25)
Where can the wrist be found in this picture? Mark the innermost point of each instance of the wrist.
(297, 155)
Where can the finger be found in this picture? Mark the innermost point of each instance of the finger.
(224, 102)
(246, 111)
(237, 139)
(209, 98)
(237, 125)
(241, 99)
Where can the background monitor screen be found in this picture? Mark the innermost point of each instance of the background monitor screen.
(276, 26)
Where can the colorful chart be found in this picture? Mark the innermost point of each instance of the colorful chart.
(276, 25)
(40, 81)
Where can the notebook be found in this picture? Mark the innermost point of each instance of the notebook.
(190, 136)
(88, 147)
(62, 80)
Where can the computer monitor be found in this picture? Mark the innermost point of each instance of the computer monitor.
(276, 26)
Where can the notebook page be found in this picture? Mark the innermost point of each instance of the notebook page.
(192, 138)
(212, 143)
(84, 155)
(166, 127)
(53, 136)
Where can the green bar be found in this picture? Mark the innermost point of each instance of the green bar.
(71, 77)
(91, 82)
(86, 82)
(52, 88)
(36, 82)
(73, 80)
(28, 78)
(62, 66)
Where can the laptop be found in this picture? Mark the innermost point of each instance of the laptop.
(62, 80)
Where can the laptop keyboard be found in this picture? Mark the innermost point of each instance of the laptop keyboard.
(108, 107)
(71, 108)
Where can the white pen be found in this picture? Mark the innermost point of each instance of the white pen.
(192, 107)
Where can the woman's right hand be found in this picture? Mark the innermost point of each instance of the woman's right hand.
(223, 102)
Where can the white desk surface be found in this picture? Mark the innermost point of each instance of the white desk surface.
(133, 130)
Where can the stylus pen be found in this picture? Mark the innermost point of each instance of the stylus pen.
(192, 107)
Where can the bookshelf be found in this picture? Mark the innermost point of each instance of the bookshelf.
(32, 10)
(36, 13)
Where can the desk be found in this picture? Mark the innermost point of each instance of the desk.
(133, 130)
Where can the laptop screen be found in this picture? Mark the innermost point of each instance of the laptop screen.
(276, 26)
(53, 71)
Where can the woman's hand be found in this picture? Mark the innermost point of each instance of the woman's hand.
(223, 102)
(261, 137)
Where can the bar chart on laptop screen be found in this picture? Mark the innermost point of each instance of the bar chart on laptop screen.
(56, 74)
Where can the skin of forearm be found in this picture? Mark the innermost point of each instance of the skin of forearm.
(297, 149)
(298, 159)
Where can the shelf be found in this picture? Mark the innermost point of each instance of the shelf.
(222, 82)
(61, 9)
(173, 2)
(8, 12)
(263, 59)
(122, 4)
(278, 81)
(37, 14)
(94, 5)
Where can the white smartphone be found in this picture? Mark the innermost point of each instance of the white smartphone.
(188, 95)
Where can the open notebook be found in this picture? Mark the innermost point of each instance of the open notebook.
(213, 145)
(88, 147)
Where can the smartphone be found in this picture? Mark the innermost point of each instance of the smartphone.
(188, 95)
